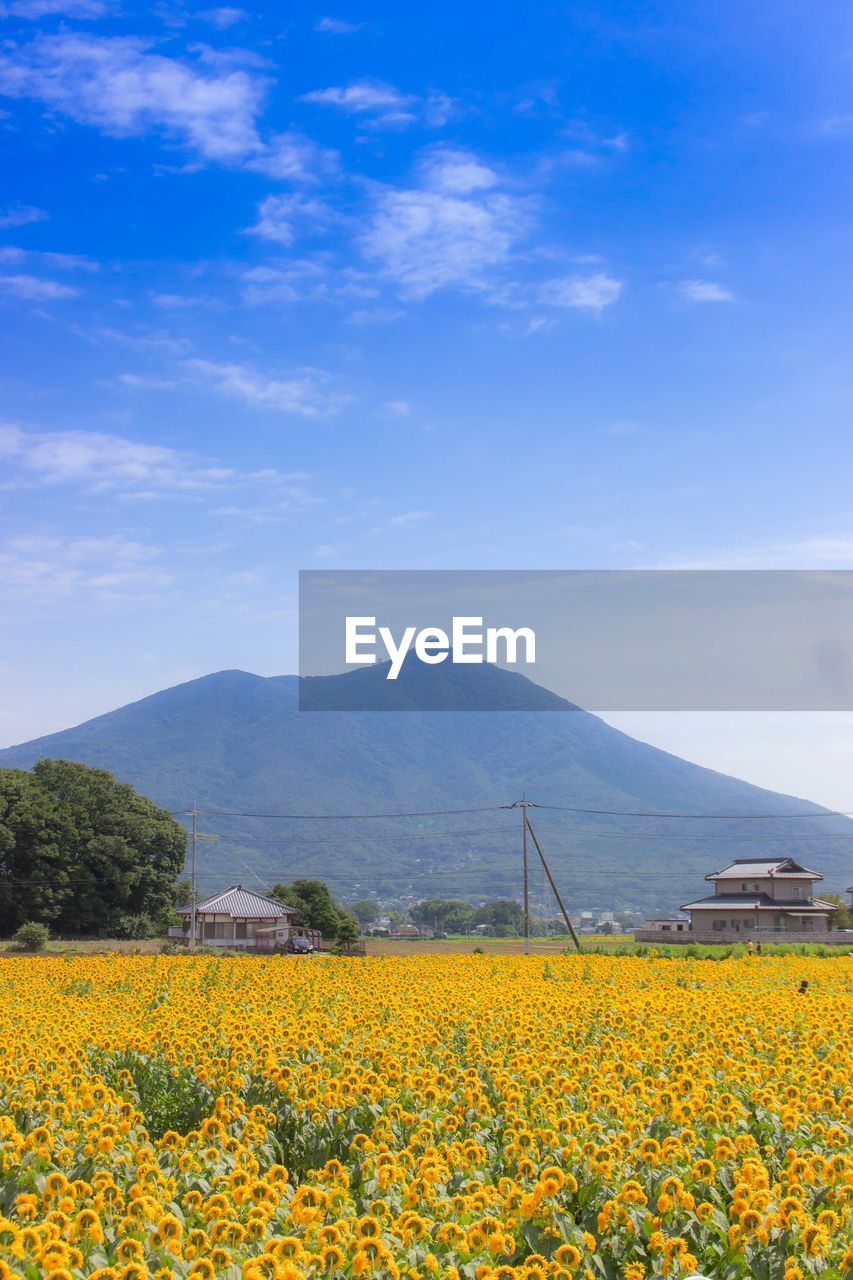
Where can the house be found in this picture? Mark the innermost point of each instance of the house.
(669, 924)
(760, 895)
(233, 917)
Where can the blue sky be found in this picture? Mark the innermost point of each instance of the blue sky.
(375, 286)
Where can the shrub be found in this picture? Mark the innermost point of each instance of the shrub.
(32, 936)
(136, 927)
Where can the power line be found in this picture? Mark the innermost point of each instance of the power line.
(495, 808)
(349, 817)
(727, 817)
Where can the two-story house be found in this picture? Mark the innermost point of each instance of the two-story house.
(767, 894)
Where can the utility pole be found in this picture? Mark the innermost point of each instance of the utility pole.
(569, 924)
(526, 890)
(195, 836)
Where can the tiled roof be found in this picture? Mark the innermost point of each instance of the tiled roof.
(744, 868)
(752, 900)
(240, 902)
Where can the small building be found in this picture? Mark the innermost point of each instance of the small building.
(760, 896)
(669, 924)
(233, 917)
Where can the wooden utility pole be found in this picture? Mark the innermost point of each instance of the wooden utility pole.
(195, 836)
(526, 892)
(560, 904)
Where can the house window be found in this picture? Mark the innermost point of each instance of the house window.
(718, 925)
(736, 926)
(220, 929)
(752, 887)
(209, 929)
(240, 929)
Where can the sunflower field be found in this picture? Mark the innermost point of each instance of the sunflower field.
(602, 1117)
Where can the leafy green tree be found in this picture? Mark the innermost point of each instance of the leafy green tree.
(445, 915)
(315, 904)
(840, 918)
(34, 864)
(32, 936)
(347, 931)
(365, 910)
(503, 913)
(82, 852)
(182, 891)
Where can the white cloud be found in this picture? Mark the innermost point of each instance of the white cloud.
(400, 408)
(279, 217)
(177, 301)
(821, 552)
(705, 291)
(306, 392)
(409, 518)
(300, 279)
(20, 215)
(158, 342)
(839, 125)
(104, 463)
(589, 293)
(59, 261)
(35, 289)
(223, 17)
(145, 382)
(382, 106)
(337, 26)
(362, 96)
(40, 564)
(47, 8)
(305, 279)
(292, 157)
(374, 315)
(427, 240)
(584, 133)
(117, 84)
(291, 498)
(456, 172)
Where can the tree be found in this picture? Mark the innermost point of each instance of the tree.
(444, 915)
(32, 936)
(347, 930)
(840, 918)
(501, 912)
(315, 904)
(365, 910)
(82, 852)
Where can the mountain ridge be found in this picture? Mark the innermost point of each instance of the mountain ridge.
(233, 740)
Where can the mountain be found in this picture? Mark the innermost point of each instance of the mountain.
(237, 742)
